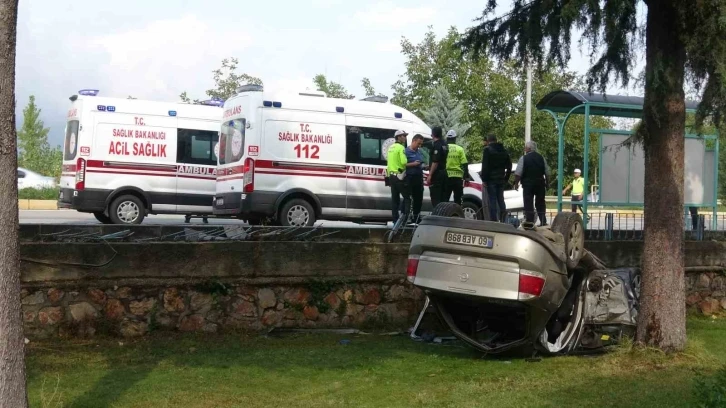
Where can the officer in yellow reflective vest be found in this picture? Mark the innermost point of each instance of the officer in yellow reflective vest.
(396, 175)
(457, 168)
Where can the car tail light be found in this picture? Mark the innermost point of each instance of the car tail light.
(249, 176)
(81, 174)
(530, 284)
(412, 267)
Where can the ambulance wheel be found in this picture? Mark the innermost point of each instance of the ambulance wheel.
(102, 218)
(297, 213)
(471, 210)
(127, 209)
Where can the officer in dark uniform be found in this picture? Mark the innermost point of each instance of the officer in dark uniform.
(437, 173)
(534, 174)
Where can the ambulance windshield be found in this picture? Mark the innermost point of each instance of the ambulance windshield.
(232, 141)
(71, 142)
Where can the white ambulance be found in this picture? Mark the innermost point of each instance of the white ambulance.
(125, 158)
(295, 158)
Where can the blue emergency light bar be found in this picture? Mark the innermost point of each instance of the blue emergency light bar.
(172, 113)
(212, 102)
(88, 92)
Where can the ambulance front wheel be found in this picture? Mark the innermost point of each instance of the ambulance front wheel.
(297, 213)
(127, 209)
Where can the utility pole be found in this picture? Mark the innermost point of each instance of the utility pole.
(528, 120)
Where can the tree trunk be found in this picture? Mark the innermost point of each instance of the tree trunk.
(12, 347)
(662, 317)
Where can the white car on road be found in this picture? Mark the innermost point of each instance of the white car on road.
(512, 198)
(31, 179)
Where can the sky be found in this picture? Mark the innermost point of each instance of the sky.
(157, 49)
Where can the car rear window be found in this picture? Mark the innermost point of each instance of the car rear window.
(71, 141)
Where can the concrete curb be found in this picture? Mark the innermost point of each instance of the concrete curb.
(37, 204)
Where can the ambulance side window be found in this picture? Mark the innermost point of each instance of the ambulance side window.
(365, 145)
(196, 146)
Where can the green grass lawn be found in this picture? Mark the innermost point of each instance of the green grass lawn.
(314, 370)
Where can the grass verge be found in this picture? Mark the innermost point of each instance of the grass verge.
(39, 194)
(370, 371)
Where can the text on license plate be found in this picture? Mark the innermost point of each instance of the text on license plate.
(469, 239)
(220, 201)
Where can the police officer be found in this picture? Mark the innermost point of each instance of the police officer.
(437, 174)
(414, 175)
(457, 168)
(396, 174)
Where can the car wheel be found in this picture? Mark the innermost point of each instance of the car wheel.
(297, 213)
(471, 211)
(569, 224)
(102, 218)
(449, 210)
(127, 209)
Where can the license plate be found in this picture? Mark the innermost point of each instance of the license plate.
(458, 238)
(220, 202)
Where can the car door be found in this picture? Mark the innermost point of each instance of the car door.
(196, 170)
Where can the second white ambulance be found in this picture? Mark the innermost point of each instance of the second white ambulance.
(298, 157)
(126, 158)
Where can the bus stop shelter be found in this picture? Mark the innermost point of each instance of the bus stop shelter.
(621, 177)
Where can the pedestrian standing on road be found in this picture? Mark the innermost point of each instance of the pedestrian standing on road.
(396, 175)
(437, 174)
(578, 191)
(534, 174)
(496, 168)
(414, 175)
(457, 169)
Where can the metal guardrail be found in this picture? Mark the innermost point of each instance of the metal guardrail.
(222, 233)
(601, 226)
(610, 226)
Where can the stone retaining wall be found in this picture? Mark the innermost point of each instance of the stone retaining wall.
(131, 289)
(132, 311)
(706, 292)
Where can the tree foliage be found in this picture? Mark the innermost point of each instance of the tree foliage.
(367, 87)
(34, 151)
(493, 97)
(226, 81)
(447, 112)
(331, 89)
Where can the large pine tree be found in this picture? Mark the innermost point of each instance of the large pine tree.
(683, 39)
(447, 112)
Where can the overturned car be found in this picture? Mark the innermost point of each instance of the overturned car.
(500, 288)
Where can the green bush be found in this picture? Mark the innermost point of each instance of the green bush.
(51, 193)
(711, 391)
